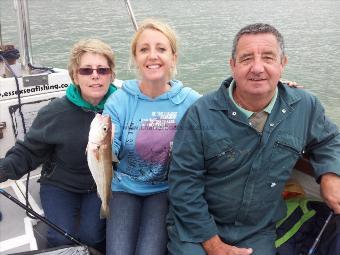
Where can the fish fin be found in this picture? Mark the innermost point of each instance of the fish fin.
(96, 153)
(114, 158)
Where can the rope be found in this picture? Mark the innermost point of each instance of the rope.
(9, 53)
(50, 69)
(23, 125)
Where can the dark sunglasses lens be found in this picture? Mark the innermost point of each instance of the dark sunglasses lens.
(103, 70)
(85, 71)
(89, 71)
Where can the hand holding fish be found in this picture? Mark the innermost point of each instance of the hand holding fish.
(99, 158)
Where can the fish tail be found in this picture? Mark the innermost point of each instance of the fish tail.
(104, 212)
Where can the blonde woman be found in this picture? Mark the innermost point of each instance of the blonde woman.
(145, 113)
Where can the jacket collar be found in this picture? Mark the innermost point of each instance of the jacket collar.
(220, 98)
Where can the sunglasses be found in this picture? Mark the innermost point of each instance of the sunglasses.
(89, 71)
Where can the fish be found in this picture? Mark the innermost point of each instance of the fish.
(99, 158)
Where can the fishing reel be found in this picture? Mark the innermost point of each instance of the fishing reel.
(8, 57)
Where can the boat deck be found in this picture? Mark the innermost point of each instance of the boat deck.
(18, 232)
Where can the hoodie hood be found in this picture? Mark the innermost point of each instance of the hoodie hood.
(177, 94)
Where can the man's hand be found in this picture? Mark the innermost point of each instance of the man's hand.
(215, 246)
(330, 191)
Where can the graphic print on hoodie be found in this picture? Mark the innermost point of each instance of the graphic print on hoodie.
(144, 131)
(148, 144)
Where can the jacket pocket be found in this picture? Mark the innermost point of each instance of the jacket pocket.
(286, 151)
(221, 156)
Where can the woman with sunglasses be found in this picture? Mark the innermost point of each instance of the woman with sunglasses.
(57, 139)
(145, 113)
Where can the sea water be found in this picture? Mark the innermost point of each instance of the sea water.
(205, 28)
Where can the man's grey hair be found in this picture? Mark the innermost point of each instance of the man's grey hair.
(258, 28)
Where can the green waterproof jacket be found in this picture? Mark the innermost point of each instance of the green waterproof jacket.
(226, 178)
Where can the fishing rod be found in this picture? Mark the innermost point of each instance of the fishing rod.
(43, 219)
(90, 250)
(1, 43)
(316, 242)
(132, 16)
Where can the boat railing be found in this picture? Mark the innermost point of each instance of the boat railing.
(130, 11)
(24, 34)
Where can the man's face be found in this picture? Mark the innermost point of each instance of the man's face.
(258, 65)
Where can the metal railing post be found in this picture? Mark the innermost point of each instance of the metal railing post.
(24, 34)
(132, 16)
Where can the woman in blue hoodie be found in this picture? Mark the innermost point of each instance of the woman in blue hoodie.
(145, 113)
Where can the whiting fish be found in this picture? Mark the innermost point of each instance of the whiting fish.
(99, 158)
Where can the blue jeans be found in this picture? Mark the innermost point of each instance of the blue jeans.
(75, 213)
(137, 224)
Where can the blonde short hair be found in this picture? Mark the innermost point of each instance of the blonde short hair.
(91, 45)
(162, 27)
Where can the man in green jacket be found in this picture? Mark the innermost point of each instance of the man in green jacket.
(235, 149)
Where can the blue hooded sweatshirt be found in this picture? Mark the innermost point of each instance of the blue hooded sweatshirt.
(144, 131)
